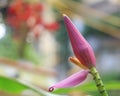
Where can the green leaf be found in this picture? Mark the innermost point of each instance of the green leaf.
(15, 86)
(9, 85)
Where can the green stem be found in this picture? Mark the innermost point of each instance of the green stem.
(98, 81)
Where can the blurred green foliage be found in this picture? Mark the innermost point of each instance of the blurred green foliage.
(31, 55)
(94, 32)
(8, 48)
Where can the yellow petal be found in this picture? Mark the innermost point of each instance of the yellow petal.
(75, 61)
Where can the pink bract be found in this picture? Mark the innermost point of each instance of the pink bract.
(71, 81)
(81, 48)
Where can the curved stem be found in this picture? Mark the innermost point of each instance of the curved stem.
(98, 81)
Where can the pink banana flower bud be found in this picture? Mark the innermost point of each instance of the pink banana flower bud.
(81, 48)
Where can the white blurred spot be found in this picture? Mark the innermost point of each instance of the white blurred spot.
(2, 30)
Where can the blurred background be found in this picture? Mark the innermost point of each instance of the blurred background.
(34, 45)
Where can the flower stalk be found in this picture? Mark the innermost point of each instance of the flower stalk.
(98, 81)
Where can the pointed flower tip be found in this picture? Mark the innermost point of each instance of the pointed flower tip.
(64, 15)
(66, 18)
(51, 89)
